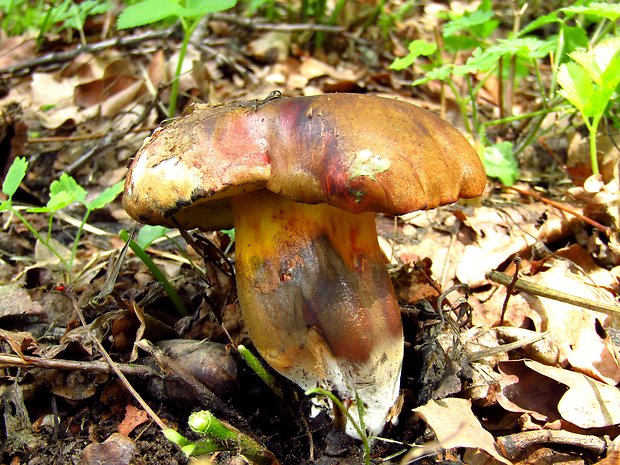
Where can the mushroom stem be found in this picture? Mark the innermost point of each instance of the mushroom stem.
(317, 300)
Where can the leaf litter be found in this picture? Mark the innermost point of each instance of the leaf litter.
(543, 374)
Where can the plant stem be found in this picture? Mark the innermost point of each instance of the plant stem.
(157, 274)
(361, 433)
(593, 130)
(78, 235)
(259, 369)
(188, 29)
(38, 237)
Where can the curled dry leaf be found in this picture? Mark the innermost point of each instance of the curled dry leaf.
(579, 332)
(455, 425)
(541, 389)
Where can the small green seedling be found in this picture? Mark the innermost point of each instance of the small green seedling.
(360, 428)
(146, 236)
(219, 436)
(500, 162)
(63, 192)
(258, 368)
(189, 12)
(589, 82)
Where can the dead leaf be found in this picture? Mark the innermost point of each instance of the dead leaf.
(455, 425)
(587, 403)
(16, 302)
(133, 418)
(18, 340)
(116, 450)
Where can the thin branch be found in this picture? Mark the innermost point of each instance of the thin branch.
(543, 291)
(253, 24)
(114, 366)
(565, 208)
(62, 57)
(95, 366)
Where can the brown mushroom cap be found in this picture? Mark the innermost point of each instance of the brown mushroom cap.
(356, 152)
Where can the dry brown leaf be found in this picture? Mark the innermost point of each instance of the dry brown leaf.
(574, 327)
(18, 340)
(16, 302)
(502, 233)
(133, 418)
(455, 425)
(587, 403)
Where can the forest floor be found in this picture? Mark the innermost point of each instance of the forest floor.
(518, 366)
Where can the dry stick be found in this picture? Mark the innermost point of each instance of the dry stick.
(511, 286)
(114, 367)
(62, 57)
(566, 208)
(543, 291)
(10, 360)
(514, 444)
(258, 26)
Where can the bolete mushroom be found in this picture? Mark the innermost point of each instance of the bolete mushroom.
(301, 179)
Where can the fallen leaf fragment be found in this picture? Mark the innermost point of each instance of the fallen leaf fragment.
(134, 417)
(116, 450)
(455, 425)
(587, 403)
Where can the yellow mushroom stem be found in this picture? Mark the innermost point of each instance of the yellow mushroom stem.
(317, 300)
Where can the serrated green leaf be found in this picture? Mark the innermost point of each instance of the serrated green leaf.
(149, 233)
(467, 22)
(64, 191)
(540, 22)
(440, 73)
(416, 48)
(14, 177)
(577, 87)
(600, 9)
(149, 12)
(106, 196)
(588, 62)
(500, 162)
(199, 8)
(479, 61)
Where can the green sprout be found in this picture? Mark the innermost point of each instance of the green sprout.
(219, 436)
(589, 82)
(189, 12)
(63, 192)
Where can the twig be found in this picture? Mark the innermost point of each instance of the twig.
(251, 23)
(111, 139)
(114, 366)
(543, 291)
(565, 208)
(514, 444)
(510, 288)
(170, 366)
(61, 57)
(95, 366)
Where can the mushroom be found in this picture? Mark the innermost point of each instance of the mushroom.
(301, 179)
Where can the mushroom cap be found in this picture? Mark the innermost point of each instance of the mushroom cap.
(356, 152)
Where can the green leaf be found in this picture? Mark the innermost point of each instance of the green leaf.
(149, 12)
(14, 177)
(440, 73)
(106, 196)
(576, 86)
(149, 233)
(599, 9)
(416, 48)
(199, 8)
(467, 22)
(539, 22)
(500, 162)
(64, 191)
